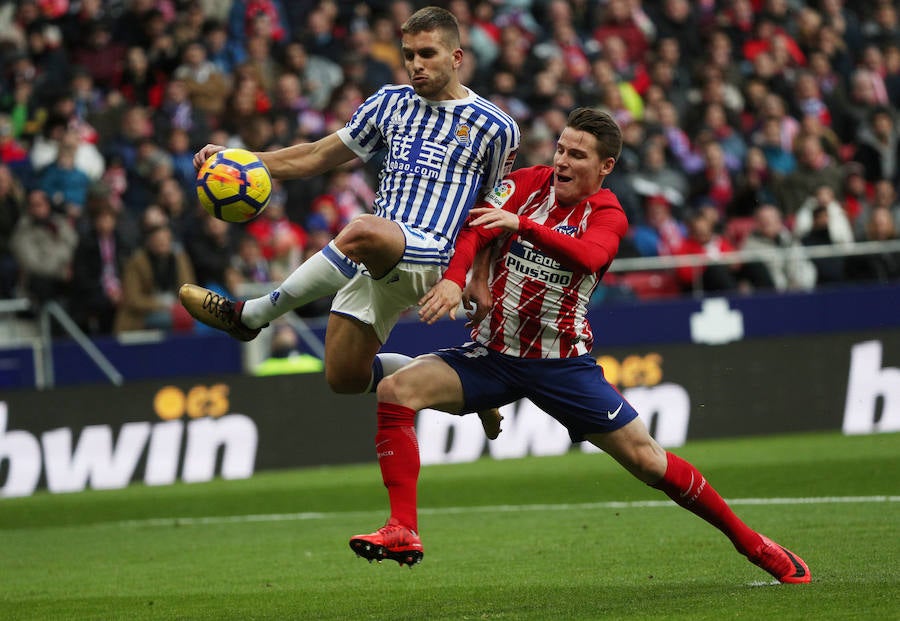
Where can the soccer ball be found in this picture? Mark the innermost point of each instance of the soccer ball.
(234, 185)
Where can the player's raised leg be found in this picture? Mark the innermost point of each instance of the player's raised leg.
(634, 448)
(367, 239)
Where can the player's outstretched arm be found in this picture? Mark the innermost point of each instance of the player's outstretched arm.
(307, 159)
(442, 299)
(298, 160)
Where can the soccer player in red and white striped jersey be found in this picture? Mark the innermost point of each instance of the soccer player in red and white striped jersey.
(560, 231)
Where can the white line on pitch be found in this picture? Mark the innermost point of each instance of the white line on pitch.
(311, 515)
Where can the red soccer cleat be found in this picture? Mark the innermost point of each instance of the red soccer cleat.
(786, 566)
(393, 541)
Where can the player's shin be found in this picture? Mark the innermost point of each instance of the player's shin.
(684, 484)
(320, 275)
(398, 457)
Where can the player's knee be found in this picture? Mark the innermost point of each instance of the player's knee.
(359, 237)
(392, 389)
(346, 382)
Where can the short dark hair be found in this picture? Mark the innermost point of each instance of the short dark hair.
(434, 18)
(602, 126)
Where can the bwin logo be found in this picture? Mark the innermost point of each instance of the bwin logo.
(94, 460)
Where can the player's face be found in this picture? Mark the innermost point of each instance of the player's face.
(431, 65)
(578, 169)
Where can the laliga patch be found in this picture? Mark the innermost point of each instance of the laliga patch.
(501, 193)
(462, 134)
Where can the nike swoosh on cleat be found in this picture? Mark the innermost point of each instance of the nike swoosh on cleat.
(612, 415)
(800, 571)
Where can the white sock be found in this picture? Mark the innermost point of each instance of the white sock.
(384, 365)
(320, 275)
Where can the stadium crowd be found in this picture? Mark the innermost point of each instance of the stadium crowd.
(747, 124)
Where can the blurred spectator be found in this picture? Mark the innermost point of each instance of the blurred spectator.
(788, 270)
(779, 158)
(855, 196)
(177, 111)
(703, 240)
(620, 19)
(210, 248)
(181, 208)
(677, 19)
(881, 26)
(243, 13)
(360, 66)
(714, 182)
(140, 83)
(249, 262)
(384, 40)
(655, 177)
(753, 185)
(319, 75)
(882, 266)
(878, 147)
(883, 195)
(13, 152)
(97, 273)
(150, 282)
(280, 239)
(66, 185)
(284, 356)
(57, 132)
(225, 53)
(829, 270)
(178, 145)
(661, 233)
(716, 124)
(839, 229)
(205, 83)
(291, 104)
(101, 55)
(12, 205)
(815, 168)
(43, 245)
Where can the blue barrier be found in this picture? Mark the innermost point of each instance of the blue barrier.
(624, 323)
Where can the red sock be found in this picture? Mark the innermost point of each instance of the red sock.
(684, 484)
(398, 456)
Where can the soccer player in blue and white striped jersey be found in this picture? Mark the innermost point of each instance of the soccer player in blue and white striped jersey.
(444, 147)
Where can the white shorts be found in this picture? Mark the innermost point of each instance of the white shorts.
(380, 303)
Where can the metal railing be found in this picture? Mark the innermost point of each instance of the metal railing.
(42, 343)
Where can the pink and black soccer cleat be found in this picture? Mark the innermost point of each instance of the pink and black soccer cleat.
(392, 541)
(786, 566)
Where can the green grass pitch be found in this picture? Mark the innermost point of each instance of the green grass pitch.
(571, 537)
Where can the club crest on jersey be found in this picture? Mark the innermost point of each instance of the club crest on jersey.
(566, 229)
(462, 134)
(501, 193)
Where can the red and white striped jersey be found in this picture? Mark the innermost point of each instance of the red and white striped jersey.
(544, 277)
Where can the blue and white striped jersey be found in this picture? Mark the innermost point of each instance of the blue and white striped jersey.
(440, 157)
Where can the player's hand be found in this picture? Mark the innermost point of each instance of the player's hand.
(491, 218)
(477, 294)
(203, 154)
(442, 299)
